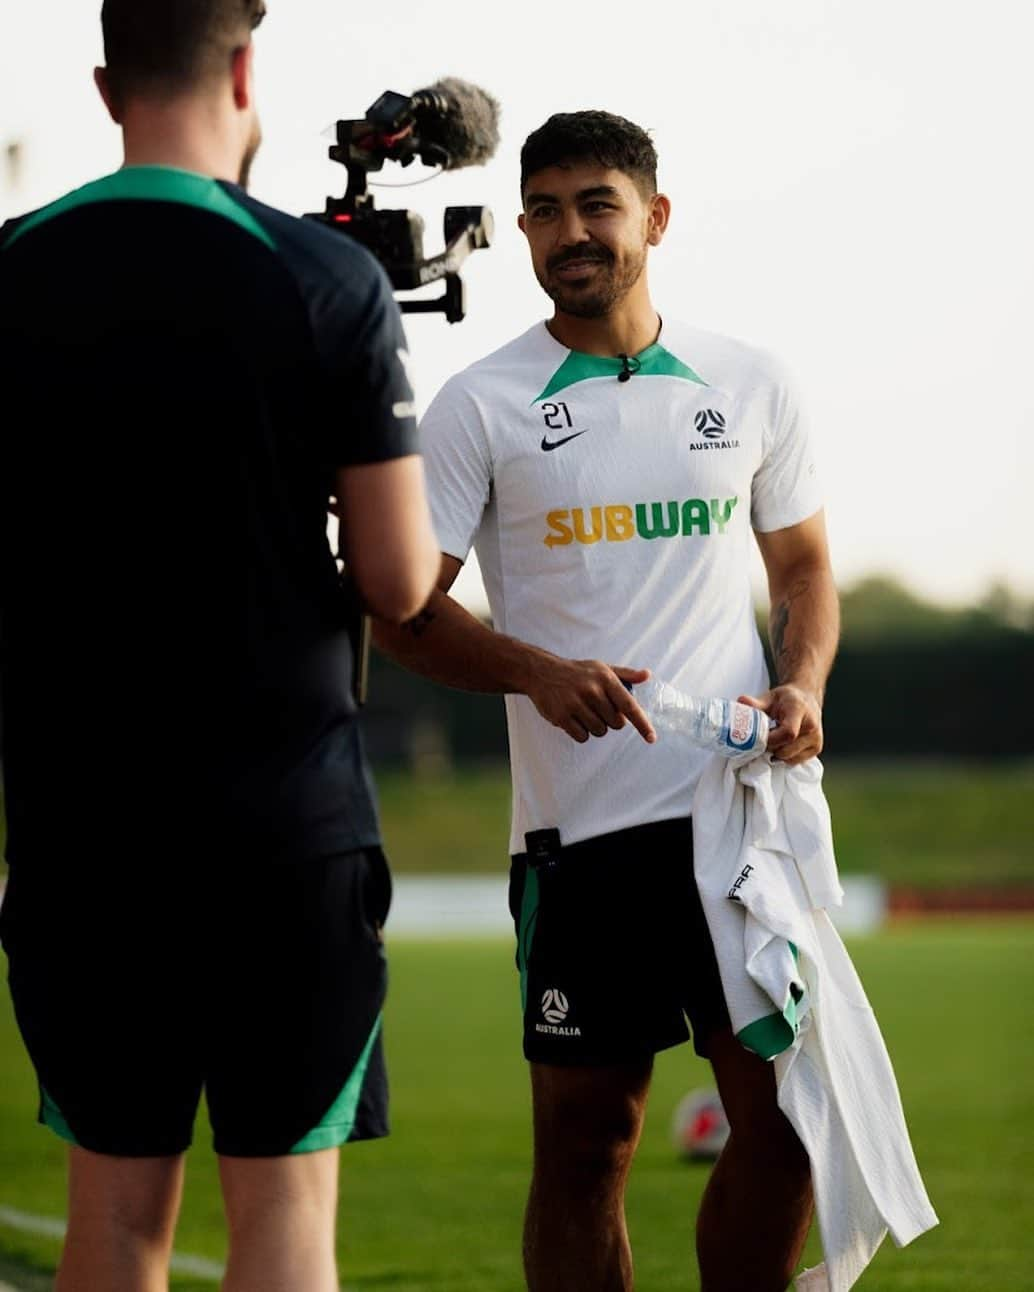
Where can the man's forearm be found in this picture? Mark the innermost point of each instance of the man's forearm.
(449, 645)
(804, 628)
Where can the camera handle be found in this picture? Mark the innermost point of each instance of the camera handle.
(466, 229)
(361, 659)
(357, 624)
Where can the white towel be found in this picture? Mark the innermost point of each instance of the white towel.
(765, 868)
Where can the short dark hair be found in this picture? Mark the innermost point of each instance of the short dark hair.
(166, 46)
(591, 135)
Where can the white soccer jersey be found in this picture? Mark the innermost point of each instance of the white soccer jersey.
(612, 520)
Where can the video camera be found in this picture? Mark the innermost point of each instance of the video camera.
(450, 124)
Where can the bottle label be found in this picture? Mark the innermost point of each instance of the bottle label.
(742, 732)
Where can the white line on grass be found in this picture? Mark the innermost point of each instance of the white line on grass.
(51, 1228)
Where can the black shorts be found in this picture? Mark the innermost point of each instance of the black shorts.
(260, 985)
(612, 946)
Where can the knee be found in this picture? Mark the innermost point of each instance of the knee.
(248, 1213)
(771, 1144)
(132, 1202)
(586, 1143)
(750, 1097)
(586, 1161)
(276, 1194)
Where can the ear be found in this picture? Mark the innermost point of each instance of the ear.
(657, 218)
(520, 224)
(100, 79)
(242, 71)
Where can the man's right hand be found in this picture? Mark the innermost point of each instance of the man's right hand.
(585, 697)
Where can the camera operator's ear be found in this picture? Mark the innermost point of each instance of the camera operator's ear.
(242, 70)
(100, 79)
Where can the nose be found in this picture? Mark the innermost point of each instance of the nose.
(571, 230)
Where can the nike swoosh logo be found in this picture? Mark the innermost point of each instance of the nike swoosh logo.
(555, 444)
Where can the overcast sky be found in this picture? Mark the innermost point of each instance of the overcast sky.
(851, 187)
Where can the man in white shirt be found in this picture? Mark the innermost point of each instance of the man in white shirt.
(609, 467)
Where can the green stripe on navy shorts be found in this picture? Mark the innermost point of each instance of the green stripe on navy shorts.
(612, 947)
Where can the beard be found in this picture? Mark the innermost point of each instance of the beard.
(609, 285)
(251, 148)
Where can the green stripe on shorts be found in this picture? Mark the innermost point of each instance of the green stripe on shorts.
(529, 918)
(51, 1115)
(337, 1124)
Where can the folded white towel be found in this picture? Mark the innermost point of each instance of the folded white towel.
(765, 868)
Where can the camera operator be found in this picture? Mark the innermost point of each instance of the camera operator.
(196, 885)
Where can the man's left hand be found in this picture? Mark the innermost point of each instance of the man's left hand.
(798, 713)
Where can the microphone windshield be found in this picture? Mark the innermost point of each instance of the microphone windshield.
(467, 124)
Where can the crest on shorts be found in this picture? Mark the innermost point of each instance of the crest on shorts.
(554, 1005)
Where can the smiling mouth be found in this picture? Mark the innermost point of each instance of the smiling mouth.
(573, 267)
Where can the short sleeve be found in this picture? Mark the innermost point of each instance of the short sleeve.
(785, 489)
(8, 228)
(458, 468)
(370, 385)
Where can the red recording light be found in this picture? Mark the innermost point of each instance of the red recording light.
(342, 219)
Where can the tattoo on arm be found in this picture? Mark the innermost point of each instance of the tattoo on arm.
(420, 622)
(787, 656)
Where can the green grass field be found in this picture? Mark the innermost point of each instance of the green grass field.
(923, 824)
(437, 1207)
(918, 824)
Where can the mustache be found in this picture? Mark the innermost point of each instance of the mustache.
(596, 255)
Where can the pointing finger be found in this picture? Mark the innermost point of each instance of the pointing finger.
(625, 702)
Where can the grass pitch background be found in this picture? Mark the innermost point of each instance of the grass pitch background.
(437, 1207)
(919, 823)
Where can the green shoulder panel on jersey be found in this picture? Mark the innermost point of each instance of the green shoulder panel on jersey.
(151, 184)
(654, 361)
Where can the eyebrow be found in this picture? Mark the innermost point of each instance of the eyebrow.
(583, 195)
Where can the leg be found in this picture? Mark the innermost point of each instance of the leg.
(763, 1173)
(297, 1066)
(587, 1126)
(121, 1217)
(281, 1213)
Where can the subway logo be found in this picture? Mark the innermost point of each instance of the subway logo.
(620, 522)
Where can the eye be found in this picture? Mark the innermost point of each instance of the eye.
(542, 212)
(597, 205)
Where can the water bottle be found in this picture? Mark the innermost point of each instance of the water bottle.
(724, 726)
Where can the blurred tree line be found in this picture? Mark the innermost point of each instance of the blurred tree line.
(911, 678)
